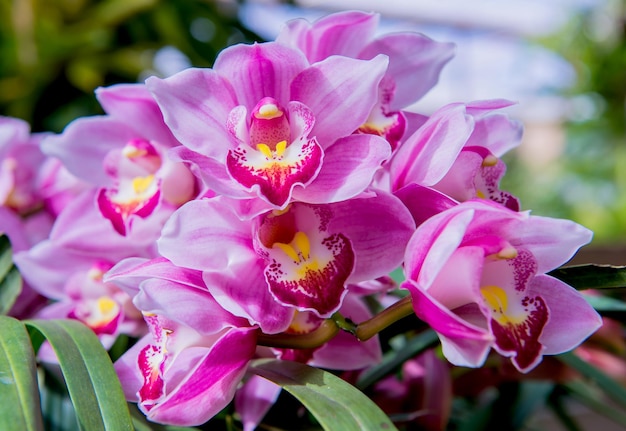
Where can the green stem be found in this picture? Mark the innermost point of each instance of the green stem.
(369, 328)
(324, 333)
(331, 327)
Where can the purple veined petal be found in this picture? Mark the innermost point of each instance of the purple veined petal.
(242, 290)
(344, 351)
(463, 343)
(129, 273)
(275, 174)
(348, 169)
(341, 92)
(307, 263)
(343, 33)
(552, 241)
(497, 132)
(254, 399)
(135, 106)
(210, 385)
(127, 370)
(206, 235)
(190, 306)
(433, 243)
(260, 70)
(427, 155)
(517, 321)
(85, 161)
(571, 320)
(415, 62)
(195, 105)
(380, 253)
(424, 202)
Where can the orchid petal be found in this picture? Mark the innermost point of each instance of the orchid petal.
(463, 344)
(348, 168)
(190, 306)
(211, 384)
(424, 202)
(242, 290)
(380, 253)
(101, 133)
(571, 320)
(260, 70)
(341, 91)
(254, 399)
(218, 237)
(426, 156)
(415, 62)
(195, 105)
(342, 33)
(134, 105)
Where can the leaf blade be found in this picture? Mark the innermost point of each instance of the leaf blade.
(92, 383)
(592, 276)
(10, 279)
(20, 407)
(335, 403)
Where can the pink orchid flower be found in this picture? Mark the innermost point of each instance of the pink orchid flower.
(301, 258)
(456, 151)
(266, 123)
(477, 274)
(415, 62)
(124, 153)
(196, 353)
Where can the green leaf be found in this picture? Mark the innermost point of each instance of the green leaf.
(336, 404)
(19, 408)
(10, 280)
(611, 387)
(395, 358)
(91, 381)
(592, 276)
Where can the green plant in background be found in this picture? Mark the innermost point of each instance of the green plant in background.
(587, 183)
(55, 53)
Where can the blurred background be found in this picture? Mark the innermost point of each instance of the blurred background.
(563, 61)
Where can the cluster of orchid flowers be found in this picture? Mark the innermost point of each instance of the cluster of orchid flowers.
(220, 215)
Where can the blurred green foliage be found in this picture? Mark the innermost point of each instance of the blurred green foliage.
(54, 53)
(588, 181)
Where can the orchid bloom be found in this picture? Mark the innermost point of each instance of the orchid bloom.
(124, 154)
(20, 160)
(415, 62)
(477, 274)
(456, 151)
(301, 258)
(187, 368)
(264, 123)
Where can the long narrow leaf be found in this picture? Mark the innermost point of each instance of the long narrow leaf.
(336, 404)
(91, 381)
(611, 387)
(592, 276)
(10, 279)
(19, 394)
